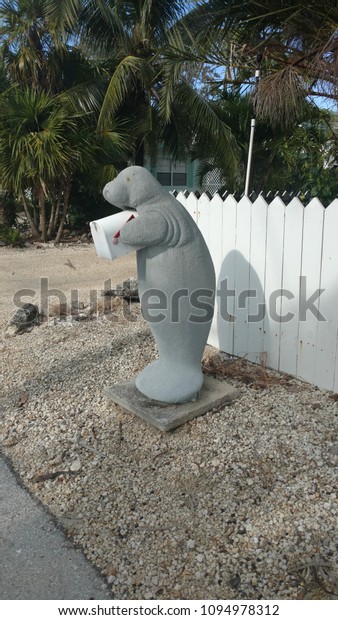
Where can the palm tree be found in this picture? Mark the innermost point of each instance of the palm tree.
(296, 44)
(47, 123)
(132, 38)
(35, 149)
(126, 37)
(44, 144)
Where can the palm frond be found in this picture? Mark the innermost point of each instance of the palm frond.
(101, 28)
(207, 124)
(130, 73)
(280, 97)
(63, 13)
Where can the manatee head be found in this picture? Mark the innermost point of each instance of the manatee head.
(131, 188)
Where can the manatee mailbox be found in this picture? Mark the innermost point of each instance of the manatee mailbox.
(176, 281)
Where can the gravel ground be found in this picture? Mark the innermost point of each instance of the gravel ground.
(238, 504)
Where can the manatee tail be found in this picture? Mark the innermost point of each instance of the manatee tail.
(170, 383)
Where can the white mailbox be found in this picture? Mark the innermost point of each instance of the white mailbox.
(106, 235)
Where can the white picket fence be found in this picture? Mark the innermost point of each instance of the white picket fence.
(285, 254)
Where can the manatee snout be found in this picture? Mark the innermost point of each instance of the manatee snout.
(106, 192)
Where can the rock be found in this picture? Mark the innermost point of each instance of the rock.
(11, 331)
(75, 465)
(235, 581)
(25, 317)
(128, 289)
(191, 544)
(200, 558)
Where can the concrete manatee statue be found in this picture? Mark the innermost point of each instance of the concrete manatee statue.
(176, 283)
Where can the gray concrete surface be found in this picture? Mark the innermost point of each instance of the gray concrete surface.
(36, 560)
(166, 416)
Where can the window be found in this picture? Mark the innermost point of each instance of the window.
(171, 173)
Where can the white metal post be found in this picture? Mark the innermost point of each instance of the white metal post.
(248, 167)
(251, 142)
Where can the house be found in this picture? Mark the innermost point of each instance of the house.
(182, 175)
(179, 175)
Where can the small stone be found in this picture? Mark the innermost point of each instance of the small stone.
(215, 462)
(75, 465)
(200, 558)
(235, 581)
(111, 579)
(11, 331)
(191, 544)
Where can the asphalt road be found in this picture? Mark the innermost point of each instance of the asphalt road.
(36, 560)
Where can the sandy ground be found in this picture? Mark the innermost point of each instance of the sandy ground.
(70, 268)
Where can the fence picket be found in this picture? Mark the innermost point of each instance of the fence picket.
(225, 274)
(292, 261)
(257, 306)
(192, 206)
(242, 277)
(216, 247)
(181, 197)
(326, 344)
(311, 269)
(204, 218)
(273, 280)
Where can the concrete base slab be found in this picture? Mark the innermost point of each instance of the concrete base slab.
(168, 416)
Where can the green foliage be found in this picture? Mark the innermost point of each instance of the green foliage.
(11, 236)
(294, 43)
(34, 138)
(8, 205)
(308, 158)
(298, 159)
(87, 206)
(88, 86)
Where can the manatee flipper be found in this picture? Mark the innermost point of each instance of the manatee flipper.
(144, 231)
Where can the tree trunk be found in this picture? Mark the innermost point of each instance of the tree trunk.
(139, 154)
(57, 212)
(42, 210)
(66, 194)
(51, 223)
(34, 229)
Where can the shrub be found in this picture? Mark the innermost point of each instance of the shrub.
(11, 236)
